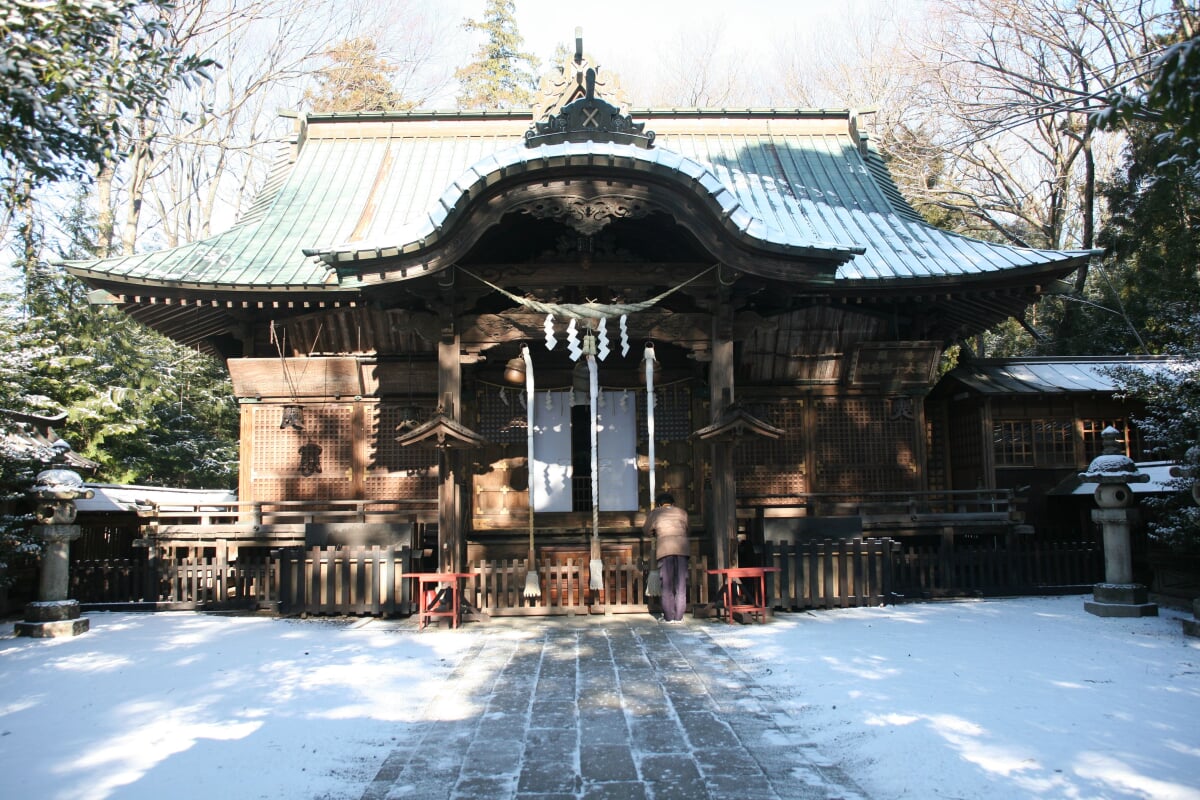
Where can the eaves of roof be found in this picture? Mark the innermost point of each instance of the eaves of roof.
(1052, 375)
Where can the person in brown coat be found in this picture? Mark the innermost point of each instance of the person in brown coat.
(669, 525)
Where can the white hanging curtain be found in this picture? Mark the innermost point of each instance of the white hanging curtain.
(550, 459)
(617, 445)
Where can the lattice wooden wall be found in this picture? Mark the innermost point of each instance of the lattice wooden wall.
(358, 457)
(936, 475)
(865, 444)
(276, 471)
(773, 466)
(394, 472)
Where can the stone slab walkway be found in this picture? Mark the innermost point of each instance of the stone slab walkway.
(604, 707)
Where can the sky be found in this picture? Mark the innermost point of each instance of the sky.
(1012, 698)
(631, 36)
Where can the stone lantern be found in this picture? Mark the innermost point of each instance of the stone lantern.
(1118, 596)
(54, 495)
(1191, 627)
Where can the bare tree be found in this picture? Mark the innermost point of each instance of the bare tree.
(197, 162)
(696, 69)
(1016, 83)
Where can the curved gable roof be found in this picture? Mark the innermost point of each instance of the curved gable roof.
(795, 184)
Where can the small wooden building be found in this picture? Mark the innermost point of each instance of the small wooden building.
(1029, 424)
(399, 270)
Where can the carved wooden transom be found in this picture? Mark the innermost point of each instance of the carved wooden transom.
(587, 215)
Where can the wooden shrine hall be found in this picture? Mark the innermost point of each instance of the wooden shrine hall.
(507, 330)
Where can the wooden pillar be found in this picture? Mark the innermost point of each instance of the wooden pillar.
(724, 485)
(450, 538)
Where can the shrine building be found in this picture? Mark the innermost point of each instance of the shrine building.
(500, 333)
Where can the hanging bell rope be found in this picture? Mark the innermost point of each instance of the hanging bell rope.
(596, 568)
(654, 584)
(532, 585)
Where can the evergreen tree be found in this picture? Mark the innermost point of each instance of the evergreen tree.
(1154, 235)
(70, 72)
(357, 78)
(19, 461)
(146, 409)
(501, 75)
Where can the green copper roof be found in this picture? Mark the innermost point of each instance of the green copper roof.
(359, 185)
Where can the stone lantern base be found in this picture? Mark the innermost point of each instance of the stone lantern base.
(1120, 600)
(52, 619)
(1191, 627)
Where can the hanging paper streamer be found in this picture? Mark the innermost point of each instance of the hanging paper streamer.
(521, 399)
(624, 336)
(549, 401)
(573, 341)
(548, 327)
(503, 395)
(602, 339)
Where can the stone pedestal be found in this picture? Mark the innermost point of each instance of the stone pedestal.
(1120, 600)
(50, 619)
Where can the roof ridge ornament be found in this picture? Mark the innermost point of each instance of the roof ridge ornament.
(565, 81)
(589, 118)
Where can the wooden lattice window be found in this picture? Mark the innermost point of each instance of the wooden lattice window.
(1033, 443)
(773, 467)
(935, 466)
(501, 413)
(1093, 444)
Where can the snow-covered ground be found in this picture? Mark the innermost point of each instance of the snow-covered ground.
(994, 699)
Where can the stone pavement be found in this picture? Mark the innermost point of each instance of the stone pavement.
(605, 707)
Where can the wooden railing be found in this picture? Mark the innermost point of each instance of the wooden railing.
(292, 512)
(967, 509)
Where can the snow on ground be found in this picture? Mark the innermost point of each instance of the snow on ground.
(1028, 697)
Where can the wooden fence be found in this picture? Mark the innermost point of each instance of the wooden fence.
(997, 569)
(498, 588)
(832, 573)
(345, 580)
(838, 573)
